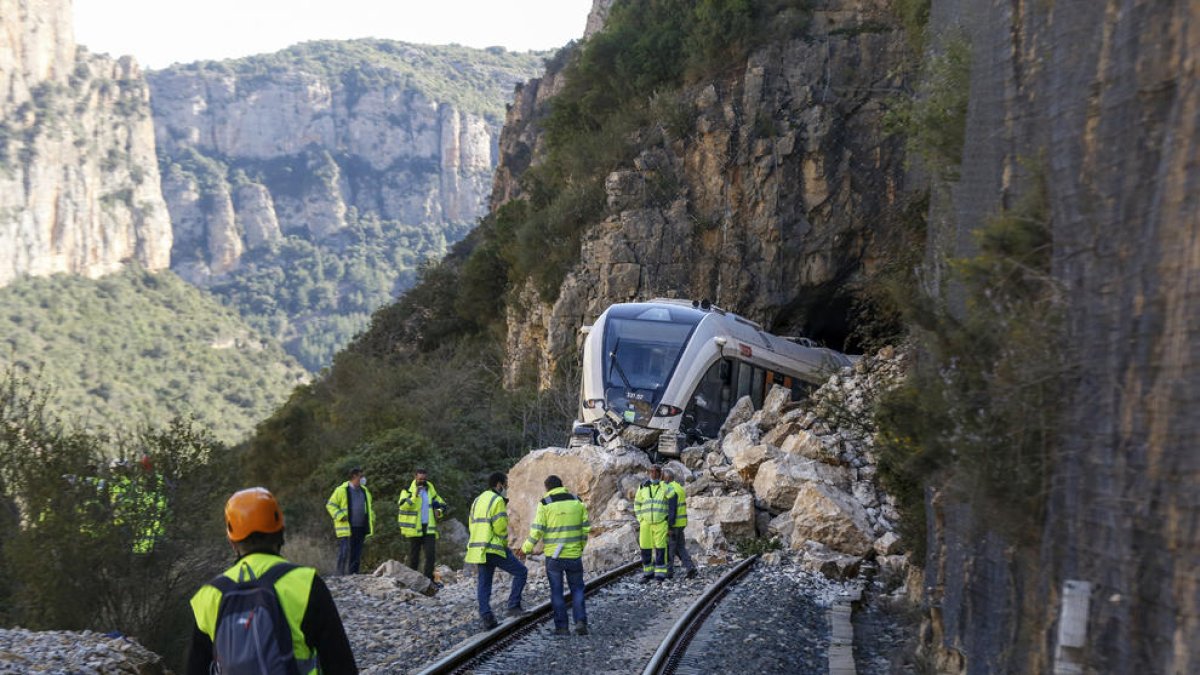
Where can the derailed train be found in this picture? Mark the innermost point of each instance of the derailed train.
(675, 368)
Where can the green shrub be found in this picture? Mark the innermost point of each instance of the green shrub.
(933, 119)
(72, 551)
(979, 413)
(757, 545)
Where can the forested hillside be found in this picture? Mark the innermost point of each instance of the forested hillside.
(137, 348)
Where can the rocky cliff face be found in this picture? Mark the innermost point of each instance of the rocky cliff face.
(770, 195)
(79, 184)
(1103, 97)
(304, 143)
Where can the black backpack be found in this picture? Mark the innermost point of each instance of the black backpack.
(252, 634)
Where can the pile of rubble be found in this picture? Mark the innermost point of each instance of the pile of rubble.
(802, 473)
(84, 652)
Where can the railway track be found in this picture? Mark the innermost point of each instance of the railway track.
(675, 644)
(478, 651)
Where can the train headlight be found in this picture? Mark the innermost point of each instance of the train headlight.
(665, 410)
(593, 403)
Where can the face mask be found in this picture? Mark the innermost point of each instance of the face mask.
(362, 481)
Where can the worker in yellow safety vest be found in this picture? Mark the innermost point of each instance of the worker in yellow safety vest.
(488, 550)
(139, 503)
(650, 508)
(420, 507)
(265, 614)
(561, 523)
(353, 516)
(676, 522)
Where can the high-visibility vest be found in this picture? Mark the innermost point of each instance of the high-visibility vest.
(650, 504)
(680, 504)
(561, 523)
(489, 528)
(293, 590)
(409, 515)
(338, 507)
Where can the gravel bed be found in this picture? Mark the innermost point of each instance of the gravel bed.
(626, 620)
(773, 620)
(885, 634)
(76, 653)
(394, 630)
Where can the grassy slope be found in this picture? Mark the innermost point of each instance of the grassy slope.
(136, 348)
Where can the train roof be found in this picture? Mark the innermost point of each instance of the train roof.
(735, 326)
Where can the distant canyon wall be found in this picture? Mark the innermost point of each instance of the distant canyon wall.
(248, 158)
(79, 183)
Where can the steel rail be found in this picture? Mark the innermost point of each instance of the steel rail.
(675, 644)
(486, 643)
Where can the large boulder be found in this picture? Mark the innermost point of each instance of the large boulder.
(716, 523)
(778, 481)
(811, 446)
(611, 548)
(740, 413)
(592, 473)
(741, 438)
(819, 559)
(781, 528)
(746, 461)
(831, 517)
(776, 402)
(781, 432)
(405, 577)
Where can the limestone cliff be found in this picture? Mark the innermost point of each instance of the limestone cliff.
(79, 184)
(773, 195)
(307, 140)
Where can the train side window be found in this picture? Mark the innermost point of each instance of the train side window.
(744, 375)
(709, 405)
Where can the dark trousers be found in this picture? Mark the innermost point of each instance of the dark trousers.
(654, 563)
(573, 569)
(426, 542)
(483, 589)
(350, 550)
(676, 546)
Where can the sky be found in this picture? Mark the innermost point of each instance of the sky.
(161, 32)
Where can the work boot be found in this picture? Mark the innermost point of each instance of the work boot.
(562, 630)
(516, 612)
(581, 628)
(646, 579)
(691, 574)
(489, 622)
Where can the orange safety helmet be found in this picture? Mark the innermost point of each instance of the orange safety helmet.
(252, 510)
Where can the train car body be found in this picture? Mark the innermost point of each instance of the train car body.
(677, 368)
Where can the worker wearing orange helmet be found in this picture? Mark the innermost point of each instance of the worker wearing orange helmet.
(265, 612)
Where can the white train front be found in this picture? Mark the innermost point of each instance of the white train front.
(678, 367)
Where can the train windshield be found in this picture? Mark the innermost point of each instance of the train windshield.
(642, 346)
